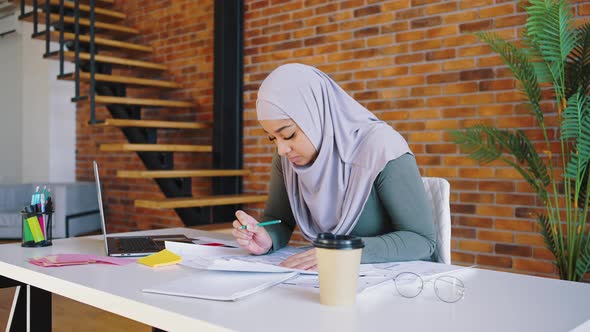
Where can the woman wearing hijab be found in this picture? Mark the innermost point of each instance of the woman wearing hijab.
(337, 169)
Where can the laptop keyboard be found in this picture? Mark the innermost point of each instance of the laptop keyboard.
(137, 244)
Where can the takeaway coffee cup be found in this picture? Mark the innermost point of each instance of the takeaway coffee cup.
(339, 259)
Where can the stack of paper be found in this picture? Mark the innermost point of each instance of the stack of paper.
(77, 259)
(221, 286)
(162, 258)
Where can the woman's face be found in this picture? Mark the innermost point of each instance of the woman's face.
(291, 141)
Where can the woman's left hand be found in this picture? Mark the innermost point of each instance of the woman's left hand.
(302, 261)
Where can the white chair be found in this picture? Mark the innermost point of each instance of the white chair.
(438, 191)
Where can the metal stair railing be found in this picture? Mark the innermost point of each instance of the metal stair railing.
(92, 45)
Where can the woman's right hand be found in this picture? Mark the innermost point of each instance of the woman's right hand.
(254, 239)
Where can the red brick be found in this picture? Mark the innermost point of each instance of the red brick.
(477, 246)
(533, 265)
(476, 26)
(475, 3)
(441, 8)
(495, 236)
(369, 10)
(442, 31)
(543, 253)
(426, 68)
(426, 91)
(396, 5)
(461, 16)
(529, 239)
(509, 21)
(409, 36)
(442, 78)
(425, 22)
(458, 88)
(495, 261)
(476, 198)
(513, 250)
(409, 13)
(459, 64)
(479, 222)
(462, 257)
(489, 61)
(466, 233)
(440, 55)
(496, 11)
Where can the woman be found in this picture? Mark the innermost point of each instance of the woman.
(337, 169)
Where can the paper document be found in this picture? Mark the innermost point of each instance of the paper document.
(372, 275)
(57, 260)
(216, 258)
(221, 286)
(208, 241)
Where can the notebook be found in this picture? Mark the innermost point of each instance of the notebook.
(220, 285)
(131, 245)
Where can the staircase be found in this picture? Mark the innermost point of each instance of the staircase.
(92, 35)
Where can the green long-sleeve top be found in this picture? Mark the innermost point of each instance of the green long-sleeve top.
(396, 223)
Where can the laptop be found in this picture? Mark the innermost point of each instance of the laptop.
(131, 245)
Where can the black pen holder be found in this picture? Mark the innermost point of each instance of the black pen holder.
(37, 228)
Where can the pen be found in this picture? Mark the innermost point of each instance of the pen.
(264, 223)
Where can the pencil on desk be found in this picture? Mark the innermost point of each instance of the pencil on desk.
(264, 223)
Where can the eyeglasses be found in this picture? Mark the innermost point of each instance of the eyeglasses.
(447, 288)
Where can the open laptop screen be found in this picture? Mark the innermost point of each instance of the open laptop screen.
(100, 206)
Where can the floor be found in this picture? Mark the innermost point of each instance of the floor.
(70, 316)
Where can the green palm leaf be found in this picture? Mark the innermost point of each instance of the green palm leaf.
(486, 144)
(550, 29)
(583, 263)
(576, 128)
(550, 239)
(577, 66)
(475, 142)
(521, 65)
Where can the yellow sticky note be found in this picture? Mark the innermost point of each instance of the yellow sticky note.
(162, 258)
(35, 229)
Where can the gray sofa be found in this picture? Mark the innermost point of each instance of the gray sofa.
(76, 208)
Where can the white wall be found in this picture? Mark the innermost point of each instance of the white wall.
(10, 105)
(47, 125)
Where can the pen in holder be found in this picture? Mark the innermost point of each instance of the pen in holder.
(36, 227)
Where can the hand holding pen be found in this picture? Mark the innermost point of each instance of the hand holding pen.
(252, 237)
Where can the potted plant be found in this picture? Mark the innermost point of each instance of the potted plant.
(552, 63)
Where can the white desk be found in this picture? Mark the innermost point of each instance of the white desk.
(494, 301)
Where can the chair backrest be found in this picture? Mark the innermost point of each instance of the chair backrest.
(438, 191)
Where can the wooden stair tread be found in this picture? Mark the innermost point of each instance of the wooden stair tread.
(110, 2)
(138, 101)
(127, 80)
(97, 40)
(119, 147)
(183, 173)
(85, 9)
(185, 202)
(107, 2)
(28, 17)
(154, 124)
(70, 55)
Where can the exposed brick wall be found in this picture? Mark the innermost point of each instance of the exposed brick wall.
(411, 62)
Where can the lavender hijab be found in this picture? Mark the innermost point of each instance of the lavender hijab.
(353, 146)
